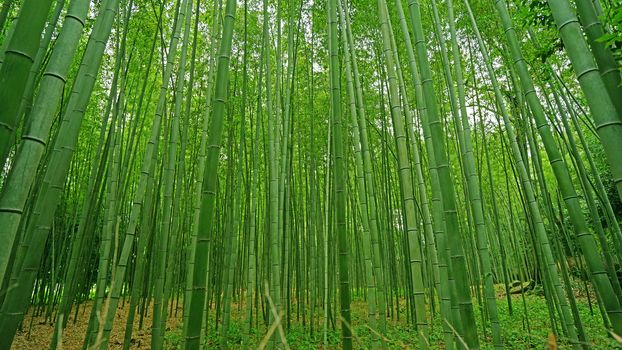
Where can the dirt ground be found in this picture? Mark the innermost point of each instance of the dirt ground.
(36, 333)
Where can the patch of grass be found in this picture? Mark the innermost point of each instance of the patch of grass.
(527, 328)
(173, 339)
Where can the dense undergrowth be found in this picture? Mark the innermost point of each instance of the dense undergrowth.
(528, 327)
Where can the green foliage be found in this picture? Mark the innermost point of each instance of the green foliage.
(173, 339)
(613, 37)
(534, 13)
(528, 327)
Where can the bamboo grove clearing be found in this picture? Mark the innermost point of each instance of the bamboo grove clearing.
(295, 174)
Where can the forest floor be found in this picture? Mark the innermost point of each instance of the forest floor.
(527, 327)
(37, 331)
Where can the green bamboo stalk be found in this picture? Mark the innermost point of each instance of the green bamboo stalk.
(597, 92)
(607, 65)
(340, 173)
(34, 139)
(16, 300)
(549, 269)
(474, 188)
(458, 263)
(370, 282)
(209, 192)
(4, 13)
(370, 187)
(405, 176)
(19, 55)
(165, 236)
(611, 133)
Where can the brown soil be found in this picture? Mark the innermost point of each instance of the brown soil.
(38, 336)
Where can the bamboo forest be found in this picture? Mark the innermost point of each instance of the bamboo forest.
(310, 174)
